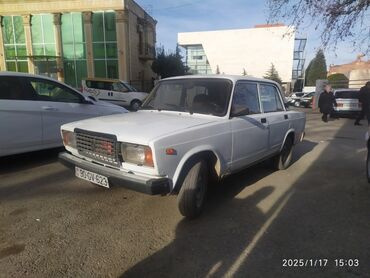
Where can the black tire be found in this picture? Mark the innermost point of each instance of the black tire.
(283, 160)
(192, 194)
(135, 105)
(368, 166)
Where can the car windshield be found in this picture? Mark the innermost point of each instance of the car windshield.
(204, 96)
(131, 88)
(346, 94)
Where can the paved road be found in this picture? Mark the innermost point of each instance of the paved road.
(54, 225)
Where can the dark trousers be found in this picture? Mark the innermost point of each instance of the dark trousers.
(361, 115)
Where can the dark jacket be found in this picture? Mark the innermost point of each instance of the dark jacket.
(364, 98)
(327, 102)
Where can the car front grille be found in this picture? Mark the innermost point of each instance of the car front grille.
(98, 146)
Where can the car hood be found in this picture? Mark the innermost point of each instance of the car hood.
(110, 106)
(141, 127)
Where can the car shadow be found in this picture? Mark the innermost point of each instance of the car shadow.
(24, 161)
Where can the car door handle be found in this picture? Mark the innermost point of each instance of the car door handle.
(286, 117)
(263, 120)
(49, 108)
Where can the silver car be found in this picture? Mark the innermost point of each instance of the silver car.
(347, 101)
(32, 109)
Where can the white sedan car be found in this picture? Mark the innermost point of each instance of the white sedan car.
(32, 109)
(193, 129)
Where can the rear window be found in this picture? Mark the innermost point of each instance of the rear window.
(346, 94)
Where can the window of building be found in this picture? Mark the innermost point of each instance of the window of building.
(105, 44)
(74, 54)
(14, 44)
(43, 45)
(196, 60)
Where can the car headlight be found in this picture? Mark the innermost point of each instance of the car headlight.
(69, 139)
(137, 154)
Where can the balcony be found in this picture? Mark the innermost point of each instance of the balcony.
(146, 52)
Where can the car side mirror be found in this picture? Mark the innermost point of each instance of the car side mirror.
(239, 111)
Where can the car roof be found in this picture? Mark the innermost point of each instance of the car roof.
(103, 79)
(346, 90)
(233, 78)
(23, 74)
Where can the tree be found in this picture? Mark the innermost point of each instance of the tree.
(338, 80)
(316, 69)
(337, 20)
(273, 74)
(244, 72)
(167, 65)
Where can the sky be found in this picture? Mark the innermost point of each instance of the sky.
(204, 15)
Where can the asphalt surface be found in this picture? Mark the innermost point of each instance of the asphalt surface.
(55, 225)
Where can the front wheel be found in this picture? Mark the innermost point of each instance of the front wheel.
(297, 104)
(192, 194)
(283, 160)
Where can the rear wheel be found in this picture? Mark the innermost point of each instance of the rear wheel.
(192, 194)
(283, 160)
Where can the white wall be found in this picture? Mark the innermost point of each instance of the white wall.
(253, 49)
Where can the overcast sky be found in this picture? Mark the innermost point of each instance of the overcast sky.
(204, 15)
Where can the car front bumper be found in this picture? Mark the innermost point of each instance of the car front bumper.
(152, 186)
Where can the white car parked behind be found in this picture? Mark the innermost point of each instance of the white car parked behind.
(32, 109)
(114, 91)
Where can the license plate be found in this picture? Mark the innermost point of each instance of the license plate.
(92, 177)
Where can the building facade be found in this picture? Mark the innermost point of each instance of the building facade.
(246, 51)
(74, 39)
(357, 72)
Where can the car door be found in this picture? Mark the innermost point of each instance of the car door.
(274, 111)
(121, 93)
(20, 118)
(59, 105)
(250, 131)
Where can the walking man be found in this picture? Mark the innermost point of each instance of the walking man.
(364, 99)
(327, 103)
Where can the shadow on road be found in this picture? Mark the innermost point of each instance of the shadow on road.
(18, 162)
(323, 215)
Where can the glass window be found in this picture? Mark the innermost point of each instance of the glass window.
(50, 91)
(204, 96)
(110, 26)
(98, 27)
(18, 30)
(22, 66)
(112, 68)
(11, 88)
(246, 99)
(74, 49)
(8, 30)
(111, 50)
(270, 98)
(36, 29)
(99, 50)
(100, 68)
(119, 87)
(10, 52)
(48, 28)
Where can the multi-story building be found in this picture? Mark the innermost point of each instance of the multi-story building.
(73, 39)
(246, 51)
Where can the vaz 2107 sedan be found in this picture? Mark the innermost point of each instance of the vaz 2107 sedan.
(189, 131)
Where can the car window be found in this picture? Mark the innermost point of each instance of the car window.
(119, 87)
(347, 94)
(246, 96)
(270, 98)
(12, 88)
(51, 91)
